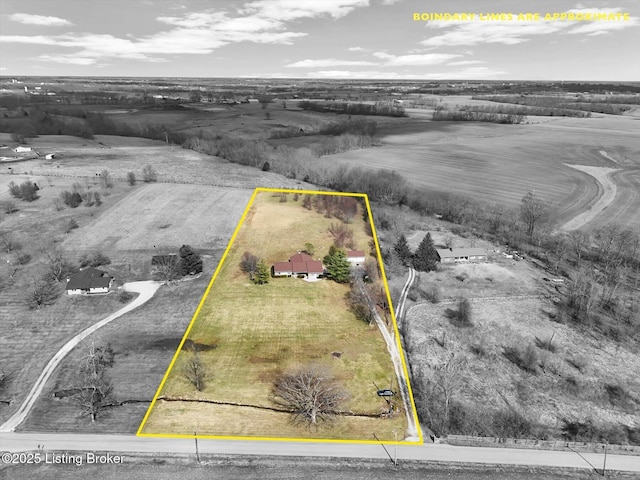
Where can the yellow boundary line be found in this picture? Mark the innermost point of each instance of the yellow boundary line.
(206, 294)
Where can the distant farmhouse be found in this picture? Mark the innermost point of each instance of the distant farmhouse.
(298, 264)
(458, 255)
(22, 149)
(89, 281)
(356, 257)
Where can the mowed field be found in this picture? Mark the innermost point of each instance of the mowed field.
(161, 216)
(250, 334)
(500, 163)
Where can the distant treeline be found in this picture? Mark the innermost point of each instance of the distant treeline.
(382, 109)
(524, 110)
(561, 105)
(442, 113)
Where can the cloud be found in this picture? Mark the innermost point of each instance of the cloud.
(327, 62)
(357, 49)
(285, 10)
(464, 62)
(415, 60)
(195, 33)
(39, 20)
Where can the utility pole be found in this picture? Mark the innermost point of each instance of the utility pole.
(195, 437)
(395, 455)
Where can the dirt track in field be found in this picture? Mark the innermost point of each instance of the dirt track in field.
(605, 199)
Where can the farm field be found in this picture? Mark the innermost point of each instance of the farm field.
(160, 216)
(282, 325)
(119, 155)
(244, 120)
(500, 163)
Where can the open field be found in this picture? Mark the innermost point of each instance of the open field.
(283, 324)
(160, 216)
(500, 163)
(557, 391)
(244, 120)
(81, 157)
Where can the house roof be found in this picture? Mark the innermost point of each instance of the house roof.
(301, 257)
(461, 252)
(355, 253)
(282, 267)
(299, 263)
(88, 278)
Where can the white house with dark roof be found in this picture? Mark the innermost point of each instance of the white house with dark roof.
(458, 255)
(89, 281)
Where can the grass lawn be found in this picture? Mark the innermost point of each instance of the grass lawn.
(256, 332)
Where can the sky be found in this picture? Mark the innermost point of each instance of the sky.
(343, 39)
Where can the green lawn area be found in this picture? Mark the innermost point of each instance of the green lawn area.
(256, 332)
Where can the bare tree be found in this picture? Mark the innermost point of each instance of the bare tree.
(194, 369)
(105, 179)
(58, 266)
(532, 210)
(8, 244)
(448, 381)
(166, 267)
(249, 263)
(149, 174)
(311, 393)
(579, 242)
(93, 388)
(40, 294)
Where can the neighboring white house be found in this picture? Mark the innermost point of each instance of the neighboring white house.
(356, 257)
(23, 149)
(50, 156)
(88, 281)
(457, 255)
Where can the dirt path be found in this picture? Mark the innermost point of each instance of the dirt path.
(607, 193)
(394, 351)
(145, 289)
(403, 296)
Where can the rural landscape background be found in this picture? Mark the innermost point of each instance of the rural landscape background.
(137, 153)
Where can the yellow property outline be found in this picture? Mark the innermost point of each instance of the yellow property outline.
(204, 297)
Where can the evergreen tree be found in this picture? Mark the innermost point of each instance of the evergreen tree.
(262, 274)
(402, 249)
(426, 257)
(190, 261)
(337, 265)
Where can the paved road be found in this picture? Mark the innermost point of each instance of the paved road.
(145, 289)
(19, 442)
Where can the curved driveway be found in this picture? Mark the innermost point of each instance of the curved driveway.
(145, 289)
